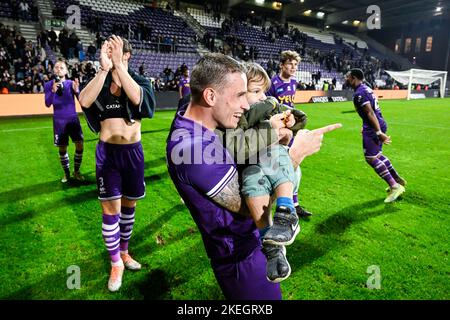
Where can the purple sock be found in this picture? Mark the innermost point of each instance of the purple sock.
(111, 235)
(77, 160)
(65, 164)
(389, 166)
(295, 199)
(383, 172)
(126, 223)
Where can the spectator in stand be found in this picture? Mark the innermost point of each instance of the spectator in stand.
(53, 37)
(23, 10)
(158, 85)
(171, 85)
(142, 70)
(38, 87)
(91, 51)
(4, 87)
(42, 38)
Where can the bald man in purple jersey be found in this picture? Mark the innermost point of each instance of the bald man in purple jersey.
(60, 93)
(208, 181)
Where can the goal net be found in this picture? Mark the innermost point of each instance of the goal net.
(420, 76)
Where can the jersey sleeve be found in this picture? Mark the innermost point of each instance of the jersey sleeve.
(213, 178)
(49, 95)
(361, 99)
(209, 177)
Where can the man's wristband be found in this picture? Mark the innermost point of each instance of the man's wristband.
(379, 133)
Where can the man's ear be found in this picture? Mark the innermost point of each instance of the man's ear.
(210, 97)
(126, 56)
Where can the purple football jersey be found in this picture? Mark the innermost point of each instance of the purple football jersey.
(200, 167)
(364, 95)
(184, 84)
(64, 104)
(283, 91)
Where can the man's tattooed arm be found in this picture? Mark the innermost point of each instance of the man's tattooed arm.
(230, 197)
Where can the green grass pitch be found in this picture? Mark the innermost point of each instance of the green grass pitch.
(46, 226)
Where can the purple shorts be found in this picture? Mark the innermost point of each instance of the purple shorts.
(372, 145)
(120, 171)
(246, 279)
(65, 127)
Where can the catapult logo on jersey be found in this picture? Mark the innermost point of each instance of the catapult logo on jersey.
(230, 146)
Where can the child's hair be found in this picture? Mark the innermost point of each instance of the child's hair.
(255, 72)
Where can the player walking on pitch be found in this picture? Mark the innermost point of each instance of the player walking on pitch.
(374, 134)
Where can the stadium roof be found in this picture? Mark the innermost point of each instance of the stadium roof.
(393, 12)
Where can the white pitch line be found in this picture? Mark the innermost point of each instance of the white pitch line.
(397, 123)
(25, 129)
(84, 126)
(417, 125)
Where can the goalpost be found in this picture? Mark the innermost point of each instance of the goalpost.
(420, 76)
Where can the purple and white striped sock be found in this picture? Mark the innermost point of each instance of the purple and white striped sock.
(65, 164)
(111, 235)
(77, 160)
(381, 169)
(126, 223)
(389, 166)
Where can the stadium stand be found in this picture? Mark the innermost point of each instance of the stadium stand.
(325, 56)
(160, 46)
(23, 10)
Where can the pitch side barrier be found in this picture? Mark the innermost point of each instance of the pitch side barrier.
(347, 95)
(18, 105)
